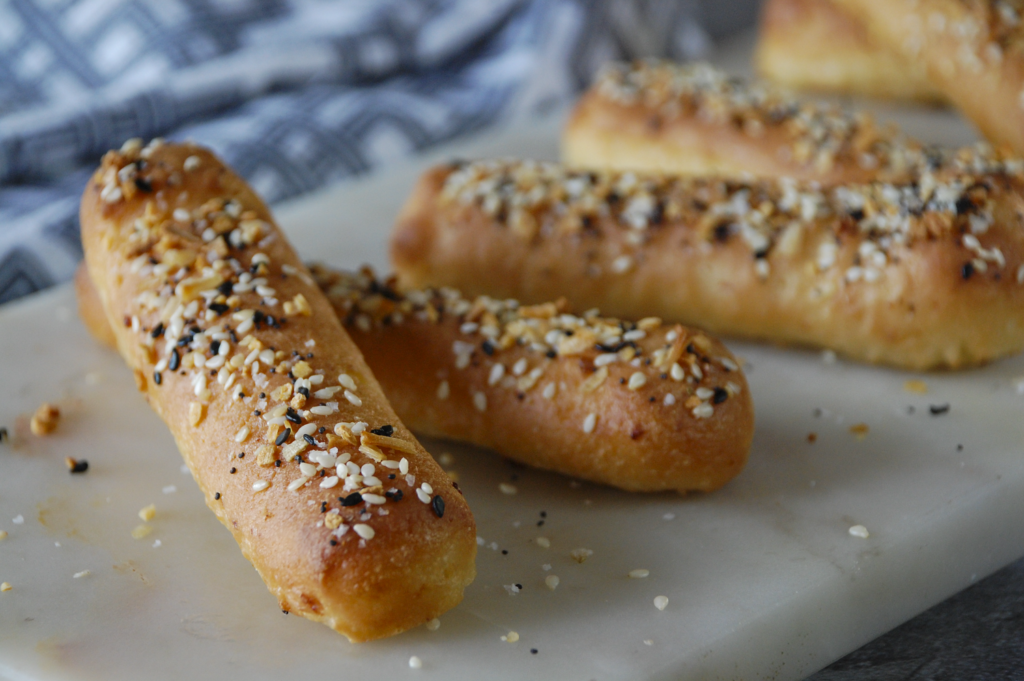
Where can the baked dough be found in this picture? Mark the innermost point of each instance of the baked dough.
(814, 45)
(640, 406)
(973, 51)
(345, 516)
(919, 275)
(694, 119)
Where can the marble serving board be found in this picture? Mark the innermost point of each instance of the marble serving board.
(763, 578)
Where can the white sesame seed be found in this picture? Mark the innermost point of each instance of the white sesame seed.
(415, 662)
(671, 336)
(307, 469)
(353, 398)
(551, 581)
(427, 488)
(639, 573)
(589, 422)
(634, 335)
(329, 482)
(346, 381)
(480, 401)
(549, 391)
(443, 390)
(364, 530)
(519, 368)
(661, 602)
(605, 359)
(434, 624)
(170, 489)
(260, 485)
(704, 393)
(497, 371)
(307, 429)
(621, 264)
(703, 410)
(18, 519)
(670, 399)
(510, 637)
(859, 531)
(322, 410)
(637, 381)
(374, 499)
(326, 393)
(422, 496)
(83, 573)
(506, 488)
(297, 483)
(469, 327)
(543, 542)
(191, 163)
(676, 372)
(403, 466)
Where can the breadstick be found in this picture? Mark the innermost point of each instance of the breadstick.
(920, 275)
(270, 402)
(694, 119)
(640, 406)
(814, 45)
(970, 49)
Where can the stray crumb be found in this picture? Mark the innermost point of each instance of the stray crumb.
(513, 589)
(415, 662)
(434, 624)
(552, 581)
(6, 586)
(546, 567)
(917, 387)
(157, 544)
(812, 438)
(45, 420)
(511, 637)
(148, 512)
(828, 357)
(648, 642)
(196, 412)
(580, 555)
(18, 519)
(170, 489)
(507, 488)
(452, 475)
(639, 573)
(76, 465)
(83, 573)
(141, 531)
(4, 435)
(859, 531)
(860, 430)
(446, 459)
(938, 409)
(661, 602)
(3, 535)
(669, 516)
(543, 542)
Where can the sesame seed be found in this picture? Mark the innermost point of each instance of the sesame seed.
(148, 512)
(191, 163)
(480, 401)
(415, 662)
(433, 625)
(83, 573)
(634, 335)
(423, 496)
(497, 371)
(242, 435)
(589, 422)
(621, 264)
(519, 368)
(677, 373)
(703, 410)
(353, 398)
(543, 542)
(670, 399)
(508, 489)
(637, 381)
(661, 602)
(605, 359)
(859, 531)
(639, 573)
(443, 390)
(551, 581)
(260, 485)
(364, 530)
(6, 586)
(549, 391)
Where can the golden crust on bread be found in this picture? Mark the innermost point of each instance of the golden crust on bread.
(972, 50)
(919, 275)
(545, 387)
(237, 350)
(693, 119)
(814, 45)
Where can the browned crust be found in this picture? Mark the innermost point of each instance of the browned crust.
(930, 306)
(637, 444)
(973, 52)
(814, 45)
(417, 564)
(695, 120)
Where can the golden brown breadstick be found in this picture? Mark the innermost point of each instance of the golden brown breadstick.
(694, 119)
(815, 45)
(345, 516)
(643, 407)
(917, 275)
(971, 49)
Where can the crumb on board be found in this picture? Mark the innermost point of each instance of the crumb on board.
(141, 531)
(859, 531)
(915, 386)
(812, 438)
(860, 430)
(551, 581)
(148, 513)
(661, 602)
(510, 637)
(580, 555)
(45, 420)
(76, 465)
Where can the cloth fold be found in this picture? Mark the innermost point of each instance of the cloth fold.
(294, 94)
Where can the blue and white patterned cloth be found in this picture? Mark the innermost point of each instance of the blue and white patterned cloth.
(294, 94)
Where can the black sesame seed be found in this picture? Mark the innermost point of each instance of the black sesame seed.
(225, 288)
(487, 347)
(323, 507)
(519, 586)
(79, 466)
(353, 499)
(967, 270)
(391, 476)
(217, 496)
(938, 409)
(143, 184)
(334, 542)
(241, 455)
(438, 505)
(309, 438)
(157, 378)
(233, 470)
(292, 416)
(279, 463)
(4, 435)
(255, 411)
(157, 331)
(533, 651)
(219, 308)
(721, 395)
(175, 360)
(282, 436)
(304, 391)
(963, 205)
(959, 448)
(386, 430)
(322, 430)
(551, 354)
(214, 347)
(504, 552)
(263, 396)
(543, 514)
(540, 523)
